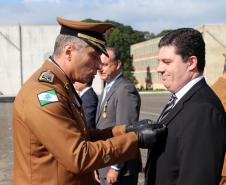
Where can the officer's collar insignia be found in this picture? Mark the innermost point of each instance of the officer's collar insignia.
(46, 76)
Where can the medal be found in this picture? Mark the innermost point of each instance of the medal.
(104, 113)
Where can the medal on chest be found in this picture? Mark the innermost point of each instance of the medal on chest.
(104, 113)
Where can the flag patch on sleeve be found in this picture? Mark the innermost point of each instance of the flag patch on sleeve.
(47, 97)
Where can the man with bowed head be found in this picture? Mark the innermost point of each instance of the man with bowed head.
(52, 144)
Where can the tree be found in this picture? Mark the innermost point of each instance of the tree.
(162, 33)
(121, 38)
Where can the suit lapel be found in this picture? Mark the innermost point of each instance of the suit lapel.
(179, 106)
(107, 97)
(98, 106)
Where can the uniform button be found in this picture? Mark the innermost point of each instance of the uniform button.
(107, 158)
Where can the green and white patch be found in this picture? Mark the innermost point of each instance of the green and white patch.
(47, 97)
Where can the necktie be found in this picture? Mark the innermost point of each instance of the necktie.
(106, 89)
(168, 107)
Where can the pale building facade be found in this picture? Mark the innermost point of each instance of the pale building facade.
(145, 62)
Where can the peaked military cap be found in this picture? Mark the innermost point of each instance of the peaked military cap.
(92, 33)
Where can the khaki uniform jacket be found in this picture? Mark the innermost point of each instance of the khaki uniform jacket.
(219, 88)
(52, 145)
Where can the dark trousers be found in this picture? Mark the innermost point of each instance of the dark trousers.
(123, 180)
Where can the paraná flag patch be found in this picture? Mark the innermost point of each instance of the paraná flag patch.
(47, 97)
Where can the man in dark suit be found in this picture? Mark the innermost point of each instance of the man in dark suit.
(119, 103)
(89, 101)
(192, 152)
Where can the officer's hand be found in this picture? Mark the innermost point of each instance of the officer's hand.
(149, 134)
(112, 176)
(138, 125)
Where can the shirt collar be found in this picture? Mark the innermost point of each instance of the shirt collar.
(84, 90)
(187, 87)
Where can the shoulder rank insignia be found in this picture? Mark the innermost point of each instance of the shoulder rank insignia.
(46, 76)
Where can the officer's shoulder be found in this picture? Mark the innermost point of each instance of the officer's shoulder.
(47, 77)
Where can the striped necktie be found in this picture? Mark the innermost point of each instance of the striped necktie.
(167, 108)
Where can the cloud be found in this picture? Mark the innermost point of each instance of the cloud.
(145, 15)
(42, 1)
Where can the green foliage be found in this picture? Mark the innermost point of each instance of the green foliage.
(162, 33)
(121, 38)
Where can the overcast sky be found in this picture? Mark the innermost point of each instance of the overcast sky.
(143, 15)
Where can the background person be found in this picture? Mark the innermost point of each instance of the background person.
(119, 103)
(193, 150)
(89, 101)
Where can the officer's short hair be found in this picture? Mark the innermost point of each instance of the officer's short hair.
(61, 40)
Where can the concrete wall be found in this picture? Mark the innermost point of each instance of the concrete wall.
(10, 59)
(37, 45)
(23, 50)
(215, 39)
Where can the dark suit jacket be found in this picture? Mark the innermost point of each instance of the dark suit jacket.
(122, 105)
(192, 153)
(89, 104)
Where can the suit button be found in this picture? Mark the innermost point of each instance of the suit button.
(107, 158)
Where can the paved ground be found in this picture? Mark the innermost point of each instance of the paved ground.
(5, 144)
(151, 106)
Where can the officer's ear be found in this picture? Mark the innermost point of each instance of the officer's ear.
(68, 51)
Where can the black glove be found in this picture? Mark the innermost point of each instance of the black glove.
(149, 134)
(138, 125)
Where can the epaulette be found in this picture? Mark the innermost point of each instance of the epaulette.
(46, 76)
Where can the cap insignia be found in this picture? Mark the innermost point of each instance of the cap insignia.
(81, 35)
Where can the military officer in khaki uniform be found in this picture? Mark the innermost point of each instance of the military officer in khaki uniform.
(52, 145)
(219, 88)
